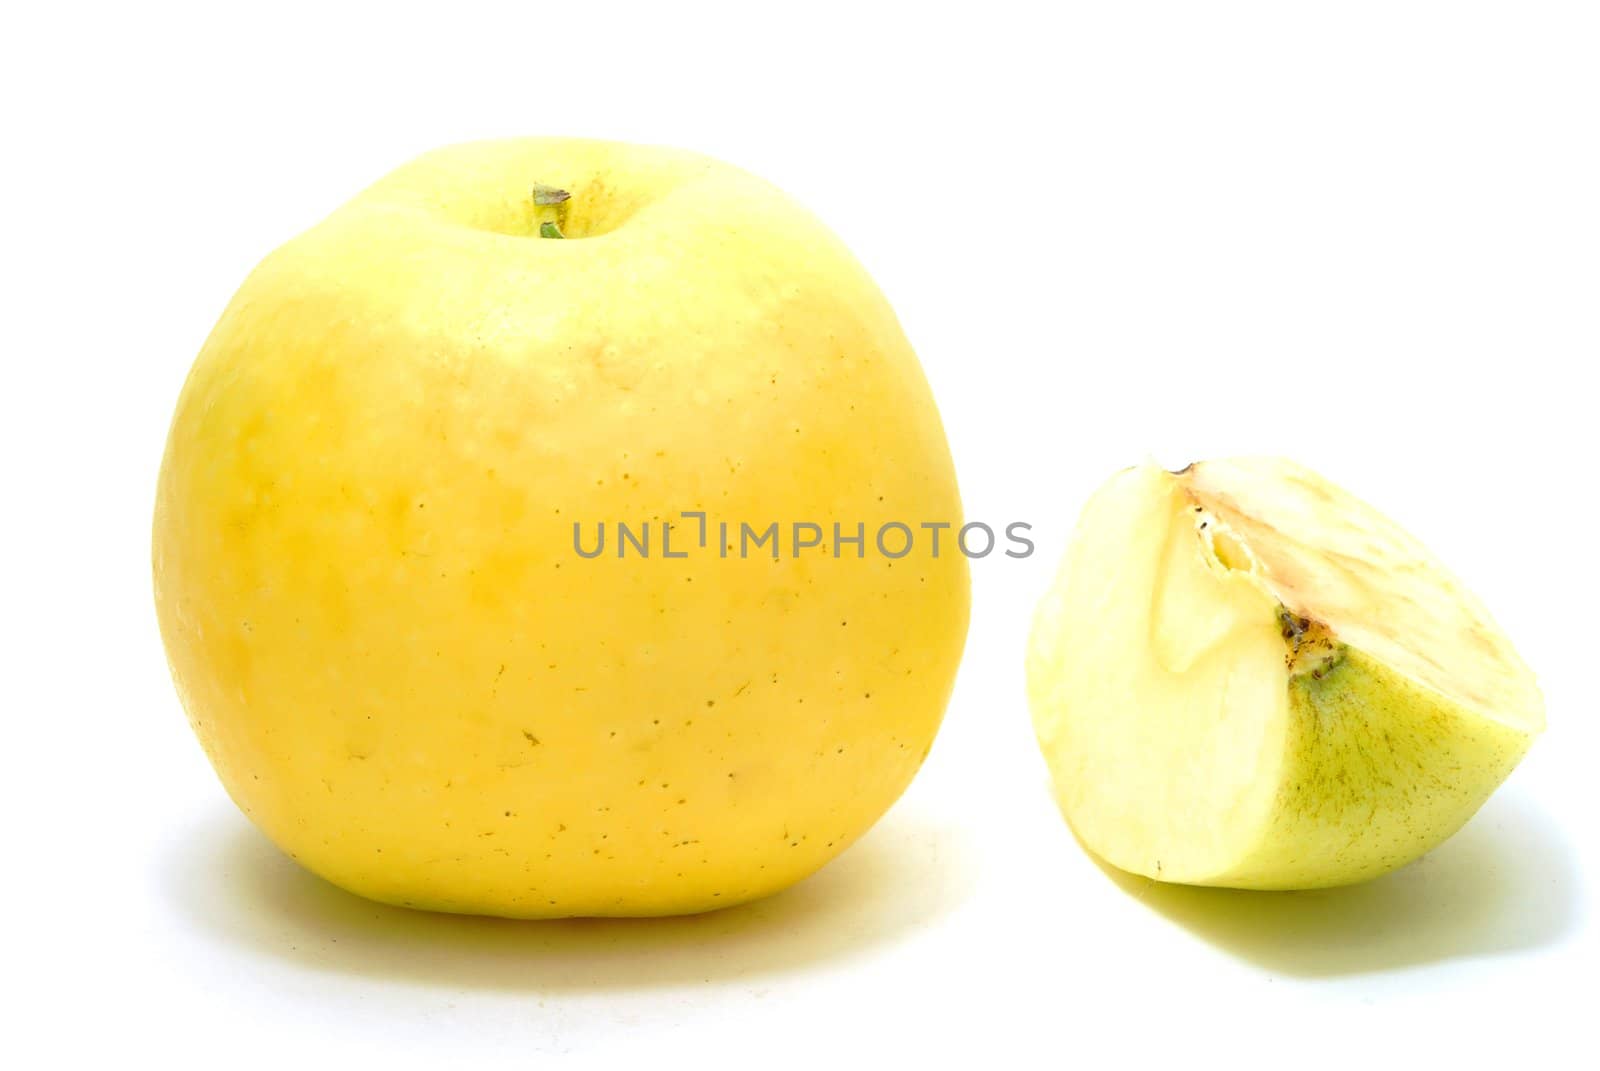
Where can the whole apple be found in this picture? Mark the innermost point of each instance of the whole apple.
(379, 502)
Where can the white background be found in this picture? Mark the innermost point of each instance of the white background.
(1366, 235)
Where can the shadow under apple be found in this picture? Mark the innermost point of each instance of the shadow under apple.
(1504, 883)
(229, 880)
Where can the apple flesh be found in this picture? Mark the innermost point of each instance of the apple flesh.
(1245, 676)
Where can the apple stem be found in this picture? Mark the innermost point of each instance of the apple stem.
(548, 197)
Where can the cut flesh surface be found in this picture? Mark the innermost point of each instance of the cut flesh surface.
(1246, 676)
(1327, 555)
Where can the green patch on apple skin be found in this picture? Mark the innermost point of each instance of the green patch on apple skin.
(1377, 769)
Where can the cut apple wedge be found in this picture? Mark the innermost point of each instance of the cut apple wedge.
(1245, 676)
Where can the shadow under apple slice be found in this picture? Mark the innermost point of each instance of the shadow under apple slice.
(1505, 882)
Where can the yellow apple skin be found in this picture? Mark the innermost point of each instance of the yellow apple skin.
(364, 557)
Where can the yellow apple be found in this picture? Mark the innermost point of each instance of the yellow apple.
(1245, 676)
(394, 444)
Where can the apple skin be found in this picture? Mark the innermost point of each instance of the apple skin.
(363, 542)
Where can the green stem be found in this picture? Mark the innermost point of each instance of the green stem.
(550, 197)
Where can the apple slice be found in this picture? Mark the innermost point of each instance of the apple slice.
(1245, 676)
